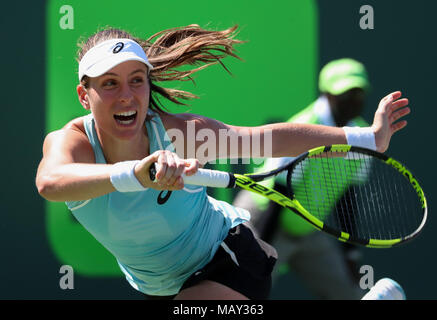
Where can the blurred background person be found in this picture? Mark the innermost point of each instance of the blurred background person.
(328, 268)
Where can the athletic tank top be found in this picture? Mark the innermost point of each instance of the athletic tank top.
(157, 246)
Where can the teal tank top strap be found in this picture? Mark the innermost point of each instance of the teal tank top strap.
(90, 129)
(158, 137)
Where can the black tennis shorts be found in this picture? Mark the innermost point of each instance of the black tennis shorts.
(243, 263)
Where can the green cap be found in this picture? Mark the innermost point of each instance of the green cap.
(341, 75)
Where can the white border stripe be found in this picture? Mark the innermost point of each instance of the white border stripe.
(230, 252)
(81, 205)
(193, 190)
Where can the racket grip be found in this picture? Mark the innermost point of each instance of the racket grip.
(203, 177)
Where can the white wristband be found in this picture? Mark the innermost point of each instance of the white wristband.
(123, 177)
(360, 137)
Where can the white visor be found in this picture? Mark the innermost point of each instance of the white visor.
(108, 54)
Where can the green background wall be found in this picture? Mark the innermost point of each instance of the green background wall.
(288, 43)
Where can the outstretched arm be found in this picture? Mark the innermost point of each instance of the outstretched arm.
(293, 139)
(68, 172)
(208, 139)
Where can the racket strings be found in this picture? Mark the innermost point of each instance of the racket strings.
(343, 218)
(393, 206)
(357, 194)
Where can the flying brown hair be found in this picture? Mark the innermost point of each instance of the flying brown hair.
(170, 49)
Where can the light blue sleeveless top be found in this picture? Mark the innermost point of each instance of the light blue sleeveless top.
(157, 246)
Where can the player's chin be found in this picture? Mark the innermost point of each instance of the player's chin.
(127, 134)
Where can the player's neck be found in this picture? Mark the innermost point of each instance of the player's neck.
(116, 150)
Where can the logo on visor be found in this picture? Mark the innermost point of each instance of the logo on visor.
(118, 47)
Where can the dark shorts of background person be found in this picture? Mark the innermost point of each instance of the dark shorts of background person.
(251, 277)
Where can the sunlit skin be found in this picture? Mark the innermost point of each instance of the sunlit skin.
(68, 169)
(123, 88)
(126, 88)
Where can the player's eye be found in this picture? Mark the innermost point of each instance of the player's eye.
(109, 83)
(137, 80)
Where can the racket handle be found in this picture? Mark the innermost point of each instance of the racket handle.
(385, 289)
(203, 177)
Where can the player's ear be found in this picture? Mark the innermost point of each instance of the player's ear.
(83, 96)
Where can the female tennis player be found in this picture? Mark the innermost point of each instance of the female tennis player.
(182, 244)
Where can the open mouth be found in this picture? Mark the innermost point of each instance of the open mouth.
(125, 118)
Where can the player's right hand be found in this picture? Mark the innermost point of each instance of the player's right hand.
(169, 170)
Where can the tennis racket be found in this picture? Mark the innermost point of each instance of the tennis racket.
(357, 195)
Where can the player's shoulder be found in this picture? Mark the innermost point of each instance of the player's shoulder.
(172, 120)
(69, 144)
(77, 124)
(181, 121)
(73, 130)
(180, 117)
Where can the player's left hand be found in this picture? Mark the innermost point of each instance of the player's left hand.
(390, 109)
